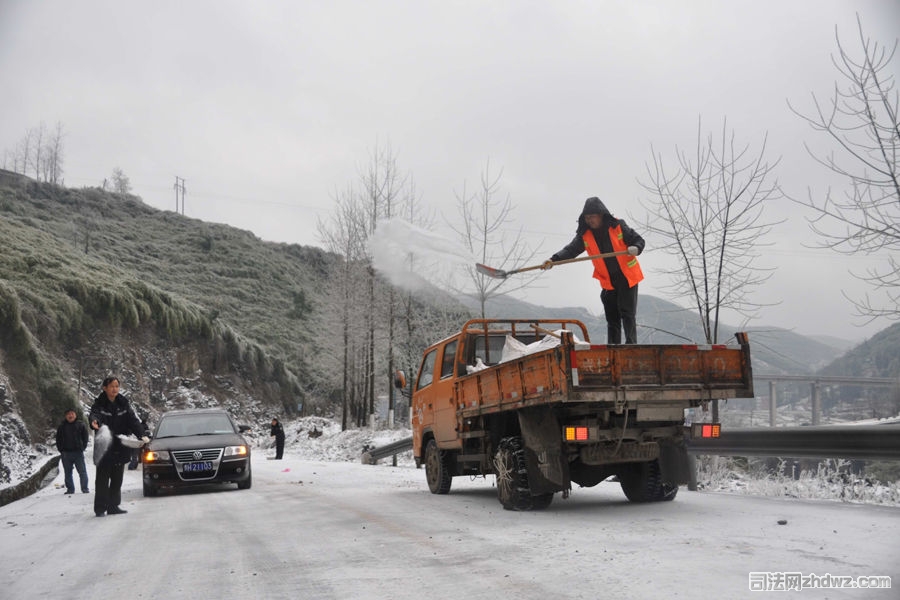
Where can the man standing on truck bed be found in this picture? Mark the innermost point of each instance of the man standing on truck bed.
(600, 233)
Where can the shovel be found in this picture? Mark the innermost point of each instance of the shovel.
(501, 274)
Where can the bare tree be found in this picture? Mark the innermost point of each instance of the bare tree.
(53, 153)
(385, 190)
(862, 120)
(37, 137)
(40, 152)
(708, 212)
(344, 235)
(372, 306)
(484, 218)
(120, 182)
(23, 151)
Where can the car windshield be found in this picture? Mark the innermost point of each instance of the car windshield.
(200, 424)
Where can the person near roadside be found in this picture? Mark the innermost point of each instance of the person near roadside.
(113, 410)
(278, 434)
(599, 232)
(71, 441)
(136, 452)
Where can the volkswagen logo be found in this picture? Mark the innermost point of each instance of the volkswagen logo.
(197, 455)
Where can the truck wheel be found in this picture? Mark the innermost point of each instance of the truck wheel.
(642, 482)
(513, 490)
(436, 471)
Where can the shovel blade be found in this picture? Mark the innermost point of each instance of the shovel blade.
(491, 271)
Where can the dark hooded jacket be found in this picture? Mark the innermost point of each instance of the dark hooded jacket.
(120, 419)
(72, 437)
(594, 206)
(278, 432)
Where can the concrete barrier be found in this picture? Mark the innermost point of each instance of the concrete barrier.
(30, 485)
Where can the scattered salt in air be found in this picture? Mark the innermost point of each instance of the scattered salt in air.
(414, 258)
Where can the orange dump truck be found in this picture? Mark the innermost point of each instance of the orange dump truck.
(536, 404)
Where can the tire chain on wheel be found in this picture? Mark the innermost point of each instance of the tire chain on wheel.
(521, 499)
(658, 490)
(651, 487)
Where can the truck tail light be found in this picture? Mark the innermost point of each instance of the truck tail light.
(576, 434)
(706, 430)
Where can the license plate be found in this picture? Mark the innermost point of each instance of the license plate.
(193, 467)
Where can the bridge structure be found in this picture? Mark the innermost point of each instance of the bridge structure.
(816, 383)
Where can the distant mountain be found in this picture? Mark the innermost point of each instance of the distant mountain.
(835, 342)
(878, 356)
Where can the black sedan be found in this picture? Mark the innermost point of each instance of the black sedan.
(195, 447)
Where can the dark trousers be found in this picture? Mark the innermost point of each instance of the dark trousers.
(279, 448)
(74, 459)
(108, 486)
(620, 306)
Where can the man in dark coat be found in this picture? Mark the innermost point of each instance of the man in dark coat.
(71, 440)
(599, 232)
(113, 410)
(278, 433)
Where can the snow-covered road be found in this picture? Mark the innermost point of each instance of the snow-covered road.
(342, 530)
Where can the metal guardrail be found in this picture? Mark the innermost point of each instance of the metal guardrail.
(870, 442)
(372, 455)
(867, 442)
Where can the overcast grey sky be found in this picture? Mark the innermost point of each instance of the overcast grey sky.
(267, 108)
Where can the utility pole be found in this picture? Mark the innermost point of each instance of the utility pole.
(179, 188)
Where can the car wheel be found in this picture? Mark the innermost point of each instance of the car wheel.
(150, 490)
(245, 485)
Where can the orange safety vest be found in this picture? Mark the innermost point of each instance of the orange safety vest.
(629, 264)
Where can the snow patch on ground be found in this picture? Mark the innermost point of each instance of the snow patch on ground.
(829, 480)
(321, 439)
(19, 460)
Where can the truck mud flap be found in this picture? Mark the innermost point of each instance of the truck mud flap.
(673, 462)
(548, 469)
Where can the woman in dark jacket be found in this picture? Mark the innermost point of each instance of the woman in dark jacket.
(113, 410)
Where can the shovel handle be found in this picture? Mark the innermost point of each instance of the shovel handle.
(581, 258)
(501, 274)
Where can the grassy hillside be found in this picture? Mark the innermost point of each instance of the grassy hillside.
(79, 267)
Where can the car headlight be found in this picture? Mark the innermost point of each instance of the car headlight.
(152, 456)
(236, 451)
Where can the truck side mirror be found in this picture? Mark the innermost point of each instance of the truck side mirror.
(399, 379)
